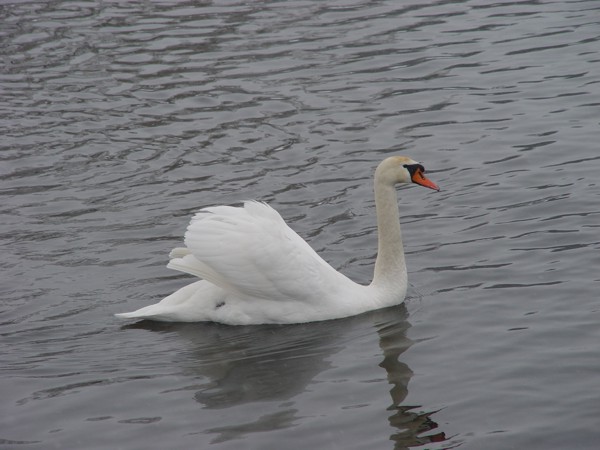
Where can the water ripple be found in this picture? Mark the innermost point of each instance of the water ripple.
(120, 119)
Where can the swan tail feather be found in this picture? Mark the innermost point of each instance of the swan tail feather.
(179, 252)
(184, 305)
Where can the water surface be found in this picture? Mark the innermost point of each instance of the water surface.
(120, 119)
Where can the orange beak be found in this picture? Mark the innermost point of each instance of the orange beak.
(419, 178)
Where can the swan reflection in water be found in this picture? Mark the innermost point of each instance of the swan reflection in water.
(279, 366)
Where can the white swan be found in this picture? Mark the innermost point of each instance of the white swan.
(257, 270)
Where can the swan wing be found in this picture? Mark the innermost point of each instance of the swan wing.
(250, 251)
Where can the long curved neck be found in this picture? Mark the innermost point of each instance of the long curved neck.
(390, 266)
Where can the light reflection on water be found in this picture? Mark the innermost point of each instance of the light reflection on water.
(119, 120)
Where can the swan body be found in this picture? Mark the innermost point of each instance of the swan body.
(255, 269)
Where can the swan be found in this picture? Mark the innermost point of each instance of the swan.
(255, 269)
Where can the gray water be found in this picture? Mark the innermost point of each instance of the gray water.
(120, 119)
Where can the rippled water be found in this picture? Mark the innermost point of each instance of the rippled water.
(119, 119)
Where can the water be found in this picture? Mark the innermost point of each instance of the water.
(120, 119)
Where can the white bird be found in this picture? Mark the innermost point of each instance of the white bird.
(255, 269)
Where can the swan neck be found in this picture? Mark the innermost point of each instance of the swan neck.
(390, 266)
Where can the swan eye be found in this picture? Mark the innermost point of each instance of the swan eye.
(414, 168)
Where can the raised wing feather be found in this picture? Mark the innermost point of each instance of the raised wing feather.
(252, 252)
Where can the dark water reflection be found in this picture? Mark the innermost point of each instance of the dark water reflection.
(235, 366)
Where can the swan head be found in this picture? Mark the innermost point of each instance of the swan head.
(401, 169)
